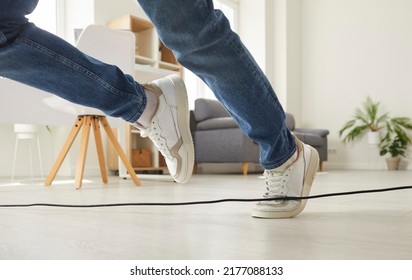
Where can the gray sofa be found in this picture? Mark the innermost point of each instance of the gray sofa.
(218, 139)
(317, 138)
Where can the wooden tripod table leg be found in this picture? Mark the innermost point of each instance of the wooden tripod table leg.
(81, 159)
(99, 148)
(119, 151)
(63, 153)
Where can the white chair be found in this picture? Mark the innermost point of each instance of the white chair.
(113, 47)
(27, 133)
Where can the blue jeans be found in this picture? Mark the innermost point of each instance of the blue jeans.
(202, 41)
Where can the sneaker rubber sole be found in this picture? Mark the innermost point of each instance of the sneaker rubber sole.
(183, 124)
(312, 165)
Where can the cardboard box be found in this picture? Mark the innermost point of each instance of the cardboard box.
(141, 158)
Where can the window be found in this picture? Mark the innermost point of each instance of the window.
(230, 9)
(44, 16)
(49, 15)
(196, 87)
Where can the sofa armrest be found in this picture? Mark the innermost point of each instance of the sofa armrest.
(193, 124)
(319, 132)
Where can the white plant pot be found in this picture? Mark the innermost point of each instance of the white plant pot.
(374, 138)
(393, 163)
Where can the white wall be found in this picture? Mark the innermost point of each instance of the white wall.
(252, 28)
(276, 36)
(352, 49)
(324, 57)
(106, 10)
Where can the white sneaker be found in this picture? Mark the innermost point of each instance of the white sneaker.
(294, 180)
(170, 129)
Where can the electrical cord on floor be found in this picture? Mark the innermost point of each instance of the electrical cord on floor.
(204, 201)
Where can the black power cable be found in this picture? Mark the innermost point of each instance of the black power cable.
(204, 201)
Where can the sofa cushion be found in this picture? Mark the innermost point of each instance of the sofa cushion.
(209, 109)
(217, 123)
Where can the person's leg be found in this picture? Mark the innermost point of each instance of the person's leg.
(37, 58)
(203, 42)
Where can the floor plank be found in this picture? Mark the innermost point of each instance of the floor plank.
(369, 226)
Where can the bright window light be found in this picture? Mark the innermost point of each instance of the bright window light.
(45, 15)
(229, 8)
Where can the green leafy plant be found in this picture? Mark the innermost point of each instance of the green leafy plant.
(367, 118)
(396, 139)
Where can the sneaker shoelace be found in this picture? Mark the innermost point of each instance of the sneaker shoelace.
(276, 183)
(154, 134)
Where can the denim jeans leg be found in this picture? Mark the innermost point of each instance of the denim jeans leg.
(37, 58)
(203, 42)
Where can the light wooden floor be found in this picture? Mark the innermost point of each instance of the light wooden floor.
(371, 226)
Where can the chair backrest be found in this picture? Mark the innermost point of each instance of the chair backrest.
(110, 46)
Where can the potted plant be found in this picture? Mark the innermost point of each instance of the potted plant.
(396, 141)
(366, 119)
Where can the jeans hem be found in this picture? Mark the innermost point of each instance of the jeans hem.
(282, 161)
